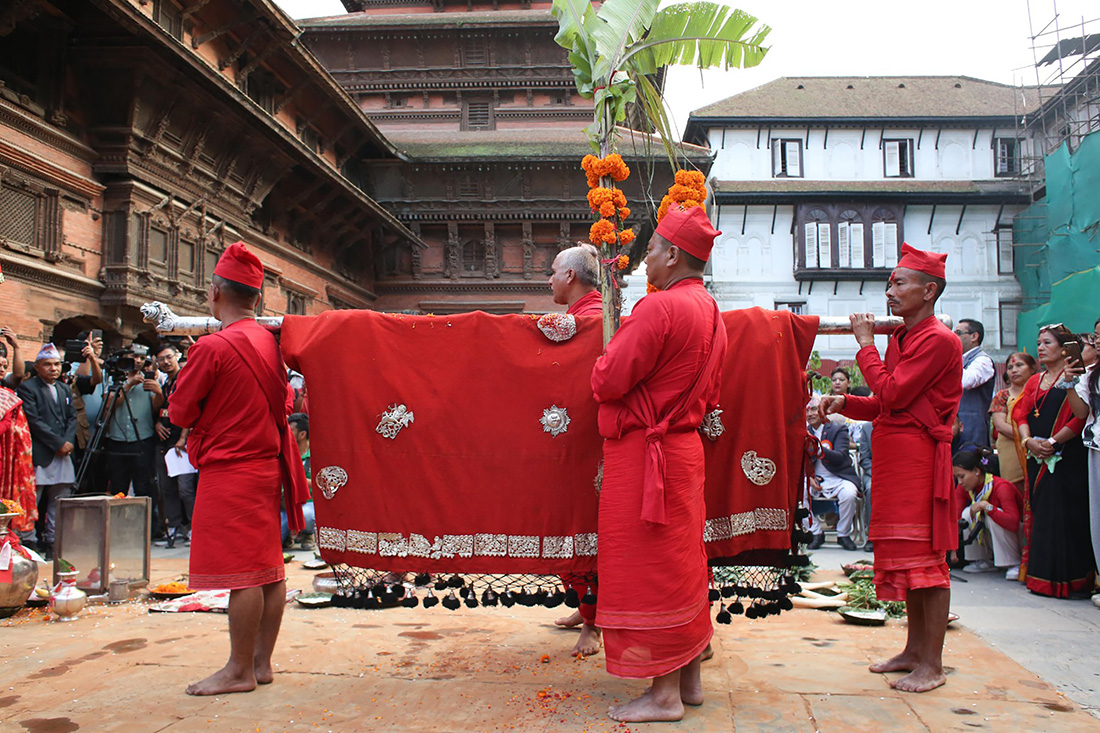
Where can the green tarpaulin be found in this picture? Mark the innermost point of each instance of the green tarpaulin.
(1056, 243)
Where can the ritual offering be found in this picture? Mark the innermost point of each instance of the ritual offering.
(314, 600)
(165, 591)
(18, 572)
(66, 600)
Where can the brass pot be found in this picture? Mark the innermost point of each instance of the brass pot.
(13, 595)
(67, 600)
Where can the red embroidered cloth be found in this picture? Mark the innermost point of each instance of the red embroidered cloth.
(474, 479)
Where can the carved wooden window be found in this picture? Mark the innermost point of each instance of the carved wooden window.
(786, 158)
(295, 304)
(473, 257)
(263, 88)
(468, 187)
(18, 216)
(849, 240)
(475, 52)
(897, 158)
(478, 116)
(168, 17)
(158, 246)
(309, 136)
(1007, 159)
(30, 217)
(885, 238)
(19, 61)
(186, 257)
(817, 242)
(209, 262)
(846, 241)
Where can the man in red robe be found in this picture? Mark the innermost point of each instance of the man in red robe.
(233, 396)
(916, 397)
(657, 379)
(574, 274)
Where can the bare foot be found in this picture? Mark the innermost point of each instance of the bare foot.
(707, 653)
(904, 662)
(264, 674)
(223, 682)
(647, 709)
(922, 679)
(589, 643)
(691, 693)
(570, 622)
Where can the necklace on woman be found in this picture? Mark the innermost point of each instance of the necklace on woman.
(1039, 401)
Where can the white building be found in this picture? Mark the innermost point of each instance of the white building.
(818, 180)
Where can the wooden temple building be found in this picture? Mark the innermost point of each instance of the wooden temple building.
(417, 156)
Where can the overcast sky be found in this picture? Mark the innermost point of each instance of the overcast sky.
(988, 39)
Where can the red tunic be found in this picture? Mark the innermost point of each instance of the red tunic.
(589, 304)
(916, 397)
(654, 384)
(235, 445)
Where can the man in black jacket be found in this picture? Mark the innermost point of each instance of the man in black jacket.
(48, 405)
(835, 477)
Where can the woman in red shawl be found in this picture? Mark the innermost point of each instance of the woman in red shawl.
(16, 467)
(1057, 558)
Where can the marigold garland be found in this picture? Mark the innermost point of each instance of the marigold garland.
(689, 190)
(608, 202)
(12, 507)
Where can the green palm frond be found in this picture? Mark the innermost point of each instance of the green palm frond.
(623, 23)
(701, 34)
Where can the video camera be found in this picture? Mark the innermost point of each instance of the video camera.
(123, 362)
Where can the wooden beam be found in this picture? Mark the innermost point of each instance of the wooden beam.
(231, 58)
(189, 11)
(197, 41)
(291, 93)
(254, 64)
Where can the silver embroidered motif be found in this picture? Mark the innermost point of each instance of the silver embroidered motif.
(555, 420)
(491, 545)
(561, 547)
(458, 544)
(523, 545)
(712, 426)
(585, 544)
(393, 420)
(558, 326)
(329, 538)
(392, 544)
(736, 525)
(363, 542)
(330, 479)
(758, 470)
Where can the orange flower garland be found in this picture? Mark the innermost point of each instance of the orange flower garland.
(689, 190)
(608, 203)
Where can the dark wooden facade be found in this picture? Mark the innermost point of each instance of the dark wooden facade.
(139, 137)
(482, 104)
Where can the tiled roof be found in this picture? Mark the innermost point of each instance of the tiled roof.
(895, 186)
(881, 97)
(527, 144)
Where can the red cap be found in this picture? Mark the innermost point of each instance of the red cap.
(690, 230)
(238, 264)
(930, 263)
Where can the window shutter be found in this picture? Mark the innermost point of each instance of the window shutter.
(878, 244)
(891, 244)
(794, 164)
(855, 240)
(893, 160)
(777, 157)
(825, 251)
(844, 250)
(905, 158)
(1004, 251)
(811, 245)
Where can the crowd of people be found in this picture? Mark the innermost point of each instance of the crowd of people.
(100, 425)
(1025, 457)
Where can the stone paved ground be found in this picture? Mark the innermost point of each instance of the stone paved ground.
(121, 668)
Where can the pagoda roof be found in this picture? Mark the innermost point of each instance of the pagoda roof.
(526, 144)
(486, 18)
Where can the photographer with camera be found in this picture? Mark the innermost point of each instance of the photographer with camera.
(10, 359)
(129, 440)
(178, 492)
(89, 389)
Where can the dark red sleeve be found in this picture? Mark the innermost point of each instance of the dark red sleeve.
(632, 352)
(193, 385)
(912, 376)
(1005, 499)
